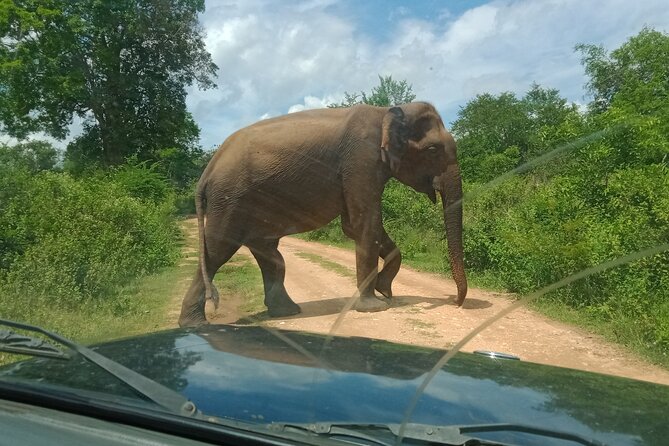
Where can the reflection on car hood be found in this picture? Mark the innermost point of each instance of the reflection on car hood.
(255, 374)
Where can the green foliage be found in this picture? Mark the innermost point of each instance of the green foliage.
(496, 134)
(184, 200)
(122, 67)
(182, 167)
(33, 156)
(634, 72)
(387, 94)
(332, 233)
(73, 242)
(606, 199)
(143, 182)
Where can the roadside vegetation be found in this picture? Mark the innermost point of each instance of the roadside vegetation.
(79, 227)
(89, 235)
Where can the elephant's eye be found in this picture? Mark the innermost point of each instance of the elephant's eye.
(432, 150)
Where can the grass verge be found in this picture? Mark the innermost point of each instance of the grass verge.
(239, 282)
(327, 264)
(622, 329)
(142, 306)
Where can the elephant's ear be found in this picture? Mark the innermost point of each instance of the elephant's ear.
(394, 138)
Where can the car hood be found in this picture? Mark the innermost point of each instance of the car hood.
(266, 375)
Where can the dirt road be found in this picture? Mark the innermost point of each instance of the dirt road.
(423, 313)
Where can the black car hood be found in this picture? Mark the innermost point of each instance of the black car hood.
(260, 375)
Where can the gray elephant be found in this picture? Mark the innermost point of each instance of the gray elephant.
(297, 172)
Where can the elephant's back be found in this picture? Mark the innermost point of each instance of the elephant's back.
(285, 171)
(296, 130)
(289, 148)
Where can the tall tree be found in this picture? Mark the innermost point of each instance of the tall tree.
(120, 65)
(636, 72)
(388, 93)
(34, 156)
(497, 133)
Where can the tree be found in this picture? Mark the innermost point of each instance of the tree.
(497, 133)
(120, 65)
(34, 156)
(387, 94)
(636, 72)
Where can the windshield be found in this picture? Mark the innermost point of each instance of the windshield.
(315, 212)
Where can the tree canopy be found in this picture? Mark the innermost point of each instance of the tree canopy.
(388, 93)
(497, 133)
(121, 66)
(34, 156)
(633, 73)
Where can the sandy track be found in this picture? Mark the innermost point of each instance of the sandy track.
(423, 313)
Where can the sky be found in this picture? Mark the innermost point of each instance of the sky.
(277, 57)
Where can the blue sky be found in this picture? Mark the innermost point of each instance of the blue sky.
(276, 57)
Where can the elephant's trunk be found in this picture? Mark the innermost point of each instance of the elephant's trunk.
(450, 186)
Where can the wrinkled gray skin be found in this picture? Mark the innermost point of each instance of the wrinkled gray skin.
(298, 172)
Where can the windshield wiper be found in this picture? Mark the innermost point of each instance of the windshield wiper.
(167, 398)
(12, 342)
(456, 435)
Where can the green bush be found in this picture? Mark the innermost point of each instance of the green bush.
(143, 182)
(331, 233)
(67, 241)
(184, 200)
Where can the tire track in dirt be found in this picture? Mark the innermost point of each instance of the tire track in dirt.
(423, 313)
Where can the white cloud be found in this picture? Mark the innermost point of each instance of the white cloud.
(311, 102)
(275, 58)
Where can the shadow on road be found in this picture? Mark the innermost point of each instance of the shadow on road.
(334, 305)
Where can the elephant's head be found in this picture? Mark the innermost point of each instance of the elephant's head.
(421, 153)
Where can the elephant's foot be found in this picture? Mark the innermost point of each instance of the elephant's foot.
(193, 321)
(284, 310)
(192, 314)
(281, 305)
(371, 304)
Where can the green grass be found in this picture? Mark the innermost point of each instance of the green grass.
(241, 278)
(140, 307)
(327, 264)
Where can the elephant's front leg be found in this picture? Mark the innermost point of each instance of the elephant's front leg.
(392, 259)
(367, 260)
(273, 269)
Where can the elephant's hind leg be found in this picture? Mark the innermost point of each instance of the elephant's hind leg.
(273, 269)
(192, 307)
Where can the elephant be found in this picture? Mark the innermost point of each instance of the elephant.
(297, 172)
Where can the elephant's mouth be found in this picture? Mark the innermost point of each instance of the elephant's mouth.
(428, 188)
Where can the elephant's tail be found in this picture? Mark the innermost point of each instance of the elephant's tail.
(200, 210)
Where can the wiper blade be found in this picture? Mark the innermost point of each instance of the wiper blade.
(12, 342)
(528, 429)
(388, 434)
(159, 394)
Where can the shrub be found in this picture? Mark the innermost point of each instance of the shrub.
(75, 240)
(143, 182)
